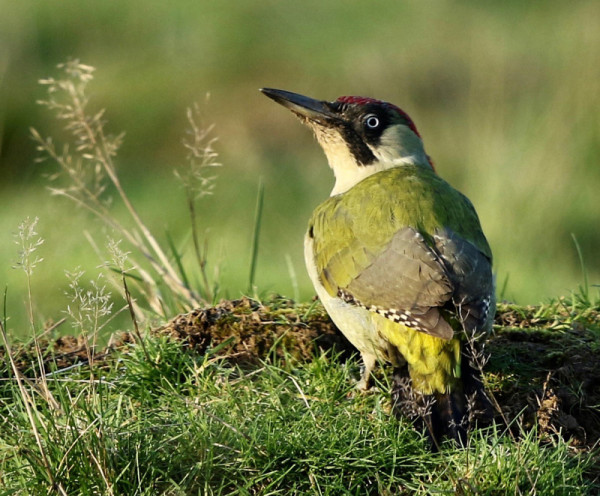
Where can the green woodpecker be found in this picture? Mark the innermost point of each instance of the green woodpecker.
(396, 255)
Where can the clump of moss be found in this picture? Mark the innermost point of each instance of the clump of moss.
(250, 331)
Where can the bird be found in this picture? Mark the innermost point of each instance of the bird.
(398, 259)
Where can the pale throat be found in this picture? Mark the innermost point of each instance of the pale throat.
(348, 172)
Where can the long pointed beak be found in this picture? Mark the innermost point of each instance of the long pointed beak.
(314, 110)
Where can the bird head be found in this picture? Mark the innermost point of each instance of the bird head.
(360, 136)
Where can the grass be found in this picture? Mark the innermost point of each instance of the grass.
(169, 420)
(239, 399)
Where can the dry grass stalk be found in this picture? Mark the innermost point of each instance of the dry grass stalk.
(89, 170)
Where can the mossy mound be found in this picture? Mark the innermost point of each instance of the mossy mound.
(543, 368)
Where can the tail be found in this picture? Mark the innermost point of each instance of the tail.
(448, 417)
(442, 415)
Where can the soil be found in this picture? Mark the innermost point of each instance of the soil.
(548, 372)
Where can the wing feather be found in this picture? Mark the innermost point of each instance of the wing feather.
(404, 257)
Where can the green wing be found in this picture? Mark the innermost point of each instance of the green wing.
(405, 244)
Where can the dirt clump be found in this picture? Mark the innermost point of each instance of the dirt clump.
(545, 372)
(248, 331)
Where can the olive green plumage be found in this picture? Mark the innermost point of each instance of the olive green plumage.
(409, 248)
(412, 195)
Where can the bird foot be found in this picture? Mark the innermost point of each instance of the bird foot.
(362, 387)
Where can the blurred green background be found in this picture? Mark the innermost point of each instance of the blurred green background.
(505, 94)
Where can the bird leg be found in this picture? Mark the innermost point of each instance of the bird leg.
(369, 362)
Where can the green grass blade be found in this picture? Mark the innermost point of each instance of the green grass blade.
(256, 234)
(177, 258)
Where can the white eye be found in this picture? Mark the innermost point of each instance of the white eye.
(372, 122)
